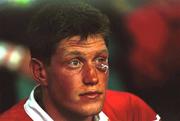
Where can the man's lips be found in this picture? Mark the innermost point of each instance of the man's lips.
(91, 94)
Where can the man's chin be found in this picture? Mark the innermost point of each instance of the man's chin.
(91, 109)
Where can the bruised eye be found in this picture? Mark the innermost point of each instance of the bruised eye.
(74, 63)
(102, 64)
(101, 60)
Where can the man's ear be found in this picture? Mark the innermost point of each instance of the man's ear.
(39, 71)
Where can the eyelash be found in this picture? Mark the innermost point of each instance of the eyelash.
(101, 59)
(70, 63)
(98, 60)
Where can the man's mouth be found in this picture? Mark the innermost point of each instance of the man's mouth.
(91, 94)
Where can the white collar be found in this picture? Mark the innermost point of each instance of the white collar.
(36, 113)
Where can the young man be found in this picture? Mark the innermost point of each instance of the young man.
(70, 65)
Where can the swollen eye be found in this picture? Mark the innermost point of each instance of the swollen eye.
(103, 67)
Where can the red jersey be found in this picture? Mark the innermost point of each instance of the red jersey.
(118, 106)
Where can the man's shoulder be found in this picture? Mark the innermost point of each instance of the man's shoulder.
(16, 113)
(111, 94)
(126, 106)
(121, 99)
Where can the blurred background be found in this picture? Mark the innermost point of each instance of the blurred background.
(144, 51)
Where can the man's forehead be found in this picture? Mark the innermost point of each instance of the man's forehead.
(75, 46)
(91, 39)
(77, 52)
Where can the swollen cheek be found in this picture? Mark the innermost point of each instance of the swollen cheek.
(103, 75)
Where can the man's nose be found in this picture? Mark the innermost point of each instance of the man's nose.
(90, 76)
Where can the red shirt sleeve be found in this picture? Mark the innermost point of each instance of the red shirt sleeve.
(122, 106)
(16, 113)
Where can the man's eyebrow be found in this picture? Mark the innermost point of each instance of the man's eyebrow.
(78, 53)
(75, 53)
(102, 51)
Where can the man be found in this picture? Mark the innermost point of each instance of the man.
(70, 65)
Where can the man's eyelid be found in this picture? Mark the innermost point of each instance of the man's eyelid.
(103, 54)
(101, 57)
(80, 59)
(72, 65)
(72, 56)
(75, 60)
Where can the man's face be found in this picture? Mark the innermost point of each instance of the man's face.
(76, 75)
